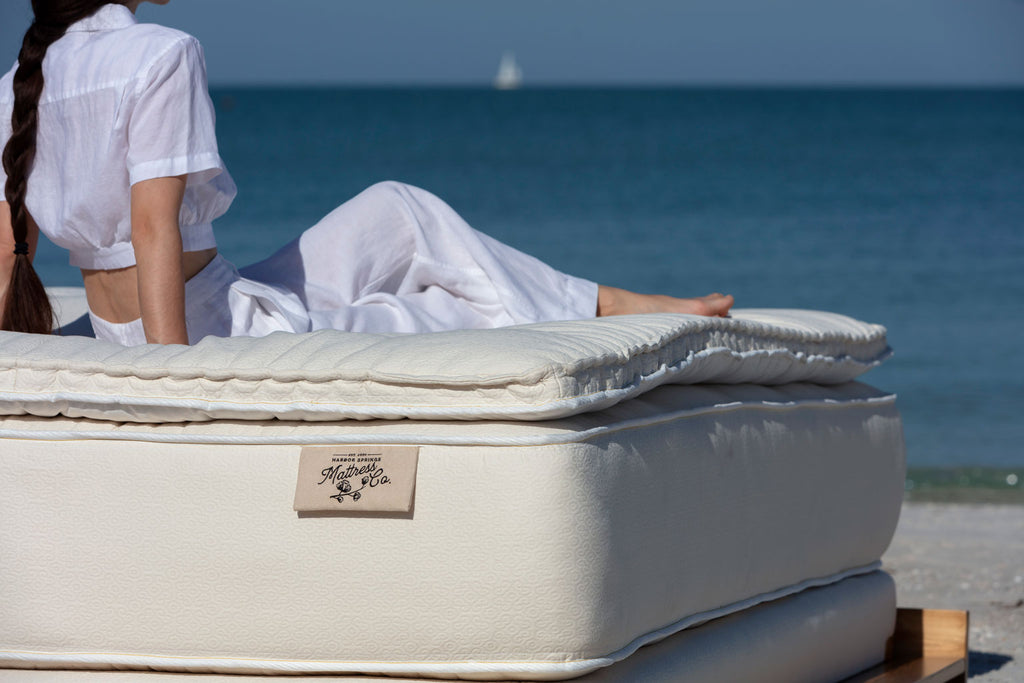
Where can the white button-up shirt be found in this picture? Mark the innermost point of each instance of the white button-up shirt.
(122, 102)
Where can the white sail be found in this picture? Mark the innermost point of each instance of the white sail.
(509, 76)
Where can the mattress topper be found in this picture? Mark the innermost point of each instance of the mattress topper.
(528, 372)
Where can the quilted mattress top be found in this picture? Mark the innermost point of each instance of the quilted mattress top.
(529, 372)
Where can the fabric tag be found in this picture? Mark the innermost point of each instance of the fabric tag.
(356, 479)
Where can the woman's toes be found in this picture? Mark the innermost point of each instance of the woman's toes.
(718, 304)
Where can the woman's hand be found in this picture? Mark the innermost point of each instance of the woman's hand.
(156, 237)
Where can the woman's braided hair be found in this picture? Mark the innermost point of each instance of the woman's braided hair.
(27, 308)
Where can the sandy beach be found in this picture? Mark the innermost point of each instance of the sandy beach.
(963, 556)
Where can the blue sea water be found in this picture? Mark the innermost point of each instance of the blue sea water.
(904, 208)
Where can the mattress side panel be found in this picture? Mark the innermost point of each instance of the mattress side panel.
(195, 551)
(741, 503)
(539, 553)
(822, 634)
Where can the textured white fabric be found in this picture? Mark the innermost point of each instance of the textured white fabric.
(122, 102)
(70, 310)
(823, 634)
(530, 372)
(395, 258)
(544, 549)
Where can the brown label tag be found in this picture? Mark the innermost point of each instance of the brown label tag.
(356, 479)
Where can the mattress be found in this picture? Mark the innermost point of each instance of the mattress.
(822, 634)
(529, 372)
(529, 550)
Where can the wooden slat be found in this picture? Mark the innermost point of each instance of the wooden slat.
(928, 646)
(919, 670)
(932, 632)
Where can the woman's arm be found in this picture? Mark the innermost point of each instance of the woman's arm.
(156, 237)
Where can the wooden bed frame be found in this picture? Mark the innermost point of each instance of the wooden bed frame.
(929, 646)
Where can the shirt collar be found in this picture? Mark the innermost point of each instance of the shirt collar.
(109, 17)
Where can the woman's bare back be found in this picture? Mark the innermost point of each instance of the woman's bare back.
(114, 294)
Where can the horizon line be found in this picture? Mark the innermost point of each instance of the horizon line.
(631, 85)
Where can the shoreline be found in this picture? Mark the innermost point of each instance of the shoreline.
(965, 485)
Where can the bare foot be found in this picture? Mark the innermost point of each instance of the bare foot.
(614, 301)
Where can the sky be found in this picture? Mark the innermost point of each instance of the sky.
(594, 42)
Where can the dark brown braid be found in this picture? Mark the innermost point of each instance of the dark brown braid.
(28, 308)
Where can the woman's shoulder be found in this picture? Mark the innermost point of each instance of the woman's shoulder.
(157, 36)
(80, 61)
(144, 45)
(135, 54)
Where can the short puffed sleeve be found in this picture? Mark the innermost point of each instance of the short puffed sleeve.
(171, 130)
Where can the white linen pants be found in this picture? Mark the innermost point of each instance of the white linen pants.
(395, 258)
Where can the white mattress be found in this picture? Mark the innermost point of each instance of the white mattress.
(822, 634)
(534, 550)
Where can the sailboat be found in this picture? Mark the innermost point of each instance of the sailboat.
(509, 76)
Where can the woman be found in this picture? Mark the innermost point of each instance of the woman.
(111, 152)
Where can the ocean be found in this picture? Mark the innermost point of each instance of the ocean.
(900, 207)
